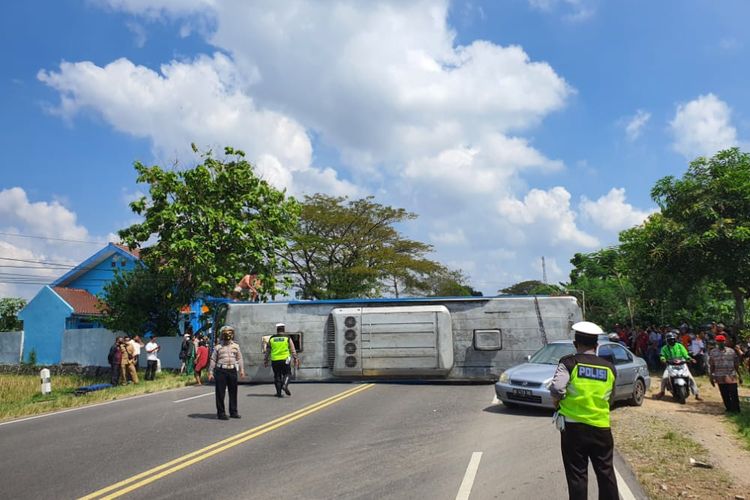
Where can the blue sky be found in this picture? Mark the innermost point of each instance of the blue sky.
(515, 128)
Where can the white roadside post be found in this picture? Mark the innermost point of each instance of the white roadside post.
(46, 382)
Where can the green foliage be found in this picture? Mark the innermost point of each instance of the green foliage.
(444, 282)
(344, 249)
(9, 308)
(140, 300)
(702, 234)
(610, 296)
(532, 287)
(32, 360)
(214, 222)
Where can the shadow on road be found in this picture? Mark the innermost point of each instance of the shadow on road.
(261, 395)
(209, 416)
(520, 411)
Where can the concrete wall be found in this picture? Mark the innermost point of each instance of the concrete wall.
(90, 346)
(43, 324)
(11, 345)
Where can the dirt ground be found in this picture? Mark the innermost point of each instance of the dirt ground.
(659, 438)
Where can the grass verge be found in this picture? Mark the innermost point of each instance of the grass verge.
(20, 395)
(742, 422)
(659, 452)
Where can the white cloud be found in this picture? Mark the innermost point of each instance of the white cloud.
(449, 237)
(139, 33)
(424, 122)
(611, 212)
(199, 101)
(635, 125)
(702, 127)
(34, 231)
(547, 214)
(575, 10)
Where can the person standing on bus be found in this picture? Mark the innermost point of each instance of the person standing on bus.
(226, 360)
(281, 351)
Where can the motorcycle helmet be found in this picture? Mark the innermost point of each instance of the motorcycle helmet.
(671, 338)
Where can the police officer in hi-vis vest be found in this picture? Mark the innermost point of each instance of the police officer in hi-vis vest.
(226, 361)
(281, 351)
(583, 388)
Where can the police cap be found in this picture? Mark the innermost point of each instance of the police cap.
(587, 328)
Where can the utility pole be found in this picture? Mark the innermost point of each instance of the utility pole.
(544, 271)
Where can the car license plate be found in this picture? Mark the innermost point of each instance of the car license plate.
(522, 392)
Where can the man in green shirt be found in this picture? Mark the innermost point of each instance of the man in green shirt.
(671, 351)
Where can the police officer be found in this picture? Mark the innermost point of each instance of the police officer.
(281, 351)
(583, 388)
(226, 360)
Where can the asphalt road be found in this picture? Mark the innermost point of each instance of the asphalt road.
(363, 441)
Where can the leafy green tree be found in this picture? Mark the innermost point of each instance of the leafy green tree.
(214, 223)
(444, 282)
(610, 296)
(532, 287)
(143, 300)
(703, 232)
(9, 308)
(350, 248)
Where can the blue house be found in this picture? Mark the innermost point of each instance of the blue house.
(70, 302)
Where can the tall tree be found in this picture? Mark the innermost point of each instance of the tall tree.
(703, 232)
(444, 282)
(213, 223)
(142, 299)
(351, 248)
(9, 308)
(602, 275)
(532, 287)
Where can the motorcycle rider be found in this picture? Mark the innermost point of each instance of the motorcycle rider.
(671, 351)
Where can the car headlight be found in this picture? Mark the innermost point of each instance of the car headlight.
(504, 378)
(547, 383)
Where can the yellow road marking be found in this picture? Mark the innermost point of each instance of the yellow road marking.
(213, 449)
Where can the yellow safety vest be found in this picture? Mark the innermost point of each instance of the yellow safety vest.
(279, 347)
(592, 381)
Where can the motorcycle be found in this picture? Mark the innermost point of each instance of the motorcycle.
(678, 380)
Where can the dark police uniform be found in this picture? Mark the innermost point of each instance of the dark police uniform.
(586, 434)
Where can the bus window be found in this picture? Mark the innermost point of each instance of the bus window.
(488, 340)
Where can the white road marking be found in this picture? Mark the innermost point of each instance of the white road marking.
(623, 488)
(193, 397)
(471, 472)
(83, 407)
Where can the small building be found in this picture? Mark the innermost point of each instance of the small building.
(71, 302)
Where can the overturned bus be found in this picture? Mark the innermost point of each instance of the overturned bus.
(460, 338)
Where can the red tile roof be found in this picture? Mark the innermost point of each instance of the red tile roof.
(82, 301)
(136, 252)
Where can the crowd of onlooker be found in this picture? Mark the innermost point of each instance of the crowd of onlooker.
(193, 354)
(647, 342)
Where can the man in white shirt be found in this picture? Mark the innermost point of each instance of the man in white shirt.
(152, 359)
(698, 352)
(137, 343)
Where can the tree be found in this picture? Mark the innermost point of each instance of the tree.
(214, 223)
(703, 231)
(445, 282)
(9, 308)
(532, 287)
(350, 248)
(143, 300)
(603, 276)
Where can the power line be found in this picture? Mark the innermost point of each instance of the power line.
(50, 238)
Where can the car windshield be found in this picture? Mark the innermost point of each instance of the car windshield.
(551, 353)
